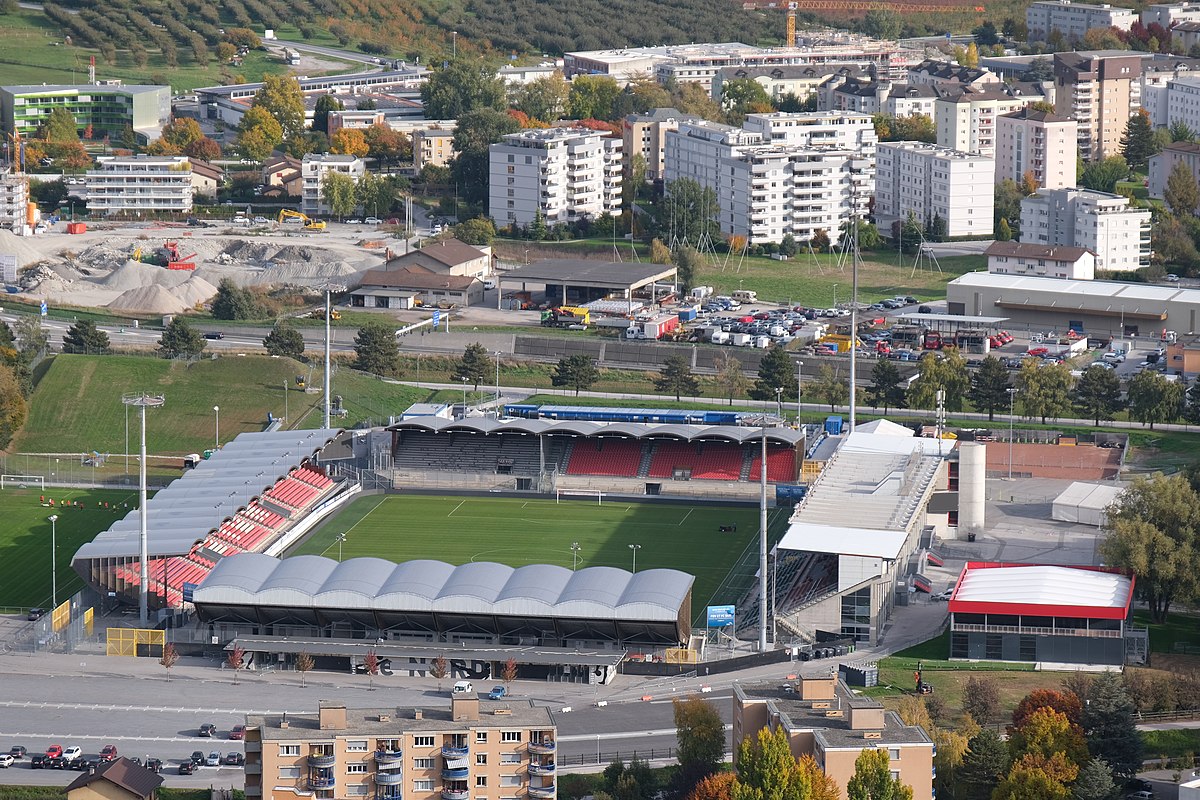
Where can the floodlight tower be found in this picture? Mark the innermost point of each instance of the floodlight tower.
(143, 401)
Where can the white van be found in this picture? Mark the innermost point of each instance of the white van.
(745, 296)
(462, 687)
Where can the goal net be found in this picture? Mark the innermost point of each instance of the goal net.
(22, 481)
(577, 495)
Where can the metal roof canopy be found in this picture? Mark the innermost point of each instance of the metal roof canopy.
(1040, 589)
(636, 430)
(959, 319)
(555, 656)
(583, 272)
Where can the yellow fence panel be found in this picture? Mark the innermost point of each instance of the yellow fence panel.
(61, 617)
(679, 655)
(133, 642)
(88, 621)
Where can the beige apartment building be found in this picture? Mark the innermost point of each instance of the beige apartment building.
(432, 147)
(1100, 92)
(646, 135)
(823, 719)
(471, 750)
(1039, 144)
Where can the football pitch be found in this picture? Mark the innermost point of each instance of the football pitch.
(25, 542)
(519, 531)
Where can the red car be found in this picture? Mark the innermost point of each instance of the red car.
(54, 751)
(237, 732)
(109, 753)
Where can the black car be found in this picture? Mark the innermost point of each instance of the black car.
(207, 729)
(17, 752)
(56, 762)
(84, 764)
(154, 764)
(234, 759)
(36, 614)
(37, 761)
(198, 757)
(186, 767)
(214, 335)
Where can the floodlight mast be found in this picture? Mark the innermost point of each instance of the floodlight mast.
(143, 401)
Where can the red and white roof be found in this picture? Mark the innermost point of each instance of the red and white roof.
(1042, 590)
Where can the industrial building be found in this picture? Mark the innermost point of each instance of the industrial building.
(928, 181)
(468, 748)
(140, 184)
(1056, 616)
(107, 108)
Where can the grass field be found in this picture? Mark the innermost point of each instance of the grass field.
(516, 532)
(25, 539)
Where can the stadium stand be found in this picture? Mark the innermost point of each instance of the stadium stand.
(707, 460)
(781, 465)
(605, 456)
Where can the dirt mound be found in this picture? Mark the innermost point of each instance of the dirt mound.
(153, 299)
(194, 291)
(11, 244)
(134, 274)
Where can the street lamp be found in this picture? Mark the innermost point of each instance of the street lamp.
(779, 401)
(464, 382)
(835, 295)
(635, 548)
(799, 390)
(217, 426)
(497, 354)
(1012, 393)
(575, 548)
(340, 539)
(54, 560)
(454, 44)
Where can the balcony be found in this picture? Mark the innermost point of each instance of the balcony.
(455, 794)
(320, 782)
(544, 746)
(389, 778)
(541, 769)
(542, 791)
(450, 751)
(322, 761)
(388, 793)
(455, 773)
(386, 758)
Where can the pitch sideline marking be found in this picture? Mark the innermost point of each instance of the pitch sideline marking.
(685, 516)
(456, 508)
(346, 532)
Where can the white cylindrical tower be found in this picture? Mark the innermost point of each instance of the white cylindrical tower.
(972, 474)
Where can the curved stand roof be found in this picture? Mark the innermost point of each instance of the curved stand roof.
(630, 430)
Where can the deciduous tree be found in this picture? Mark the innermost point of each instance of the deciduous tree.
(1152, 398)
(339, 192)
(439, 668)
(989, 386)
(1044, 390)
(1102, 176)
(376, 350)
(181, 132)
(1044, 733)
(304, 665)
(829, 387)
(280, 95)
(1098, 393)
(236, 660)
(1065, 703)
(259, 133)
(592, 97)
(543, 98)
(577, 372)
(349, 142)
(677, 378)
(479, 231)
(387, 145)
(59, 126)
(477, 131)
(508, 672)
(873, 780)
(981, 698)
(464, 85)
(1025, 782)
(689, 263)
(371, 665)
(885, 389)
(1182, 193)
(730, 376)
(170, 657)
(945, 371)
(700, 733)
(687, 213)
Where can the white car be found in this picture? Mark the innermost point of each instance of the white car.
(1172, 277)
(946, 595)
(1113, 357)
(72, 753)
(354, 222)
(261, 220)
(6, 761)
(213, 760)
(372, 221)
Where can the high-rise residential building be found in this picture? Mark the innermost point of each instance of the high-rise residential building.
(1158, 74)
(1097, 221)
(131, 184)
(314, 170)
(107, 108)
(930, 181)
(646, 135)
(823, 719)
(801, 80)
(1170, 14)
(473, 750)
(563, 173)
(1183, 102)
(884, 97)
(1036, 143)
(966, 118)
(1161, 165)
(781, 173)
(1099, 91)
(1073, 20)
(14, 198)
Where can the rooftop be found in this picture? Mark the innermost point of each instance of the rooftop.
(415, 277)
(833, 724)
(409, 652)
(60, 88)
(320, 84)
(1037, 116)
(1042, 251)
(1077, 591)
(449, 252)
(366, 721)
(124, 773)
(1136, 295)
(578, 271)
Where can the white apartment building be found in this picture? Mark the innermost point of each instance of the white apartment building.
(646, 135)
(1168, 14)
(843, 130)
(1161, 164)
(935, 72)
(14, 198)
(884, 97)
(1073, 20)
(1097, 221)
(565, 173)
(778, 81)
(313, 171)
(132, 184)
(1183, 102)
(929, 180)
(966, 120)
(1037, 143)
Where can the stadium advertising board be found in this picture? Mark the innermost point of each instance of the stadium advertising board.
(720, 616)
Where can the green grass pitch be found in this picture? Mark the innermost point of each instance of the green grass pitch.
(519, 531)
(25, 539)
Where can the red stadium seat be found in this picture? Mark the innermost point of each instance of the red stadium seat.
(605, 456)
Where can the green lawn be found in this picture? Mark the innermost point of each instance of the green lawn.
(365, 398)
(516, 532)
(1176, 743)
(25, 539)
(1182, 628)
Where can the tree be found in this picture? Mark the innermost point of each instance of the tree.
(479, 231)
(1047, 732)
(233, 302)
(984, 764)
(1182, 192)
(766, 768)
(1040, 69)
(659, 252)
(325, 104)
(180, 340)
(592, 97)
(543, 98)
(376, 350)
(338, 191)
(1095, 782)
(508, 672)
(700, 732)
(1180, 132)
(689, 263)
(989, 386)
(375, 194)
(371, 665)
(715, 787)
(1025, 782)
(236, 660)
(971, 57)
(1102, 176)
(204, 149)
(986, 34)
(59, 126)
(885, 389)
(577, 372)
(463, 86)
(729, 376)
(473, 366)
(182, 132)
(1004, 231)
(439, 668)
(1044, 390)
(284, 341)
(170, 657)
(881, 24)
(828, 387)
(1110, 727)
(742, 96)
(85, 337)
(1191, 408)
(280, 96)
(1066, 703)
(947, 373)
(387, 145)
(981, 698)
(687, 212)
(1098, 393)
(477, 131)
(677, 378)
(872, 779)
(259, 134)
(1154, 531)
(304, 665)
(776, 370)
(1137, 143)
(349, 142)
(31, 337)
(1152, 398)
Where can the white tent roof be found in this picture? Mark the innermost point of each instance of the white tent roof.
(1044, 586)
(1089, 495)
(843, 541)
(884, 427)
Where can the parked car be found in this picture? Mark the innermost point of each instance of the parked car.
(197, 757)
(36, 614)
(234, 759)
(924, 310)
(214, 759)
(1143, 795)
(207, 729)
(237, 732)
(261, 220)
(354, 222)
(17, 752)
(54, 751)
(372, 221)
(55, 762)
(108, 752)
(462, 687)
(153, 764)
(86, 763)
(6, 761)
(1172, 277)
(945, 595)
(71, 753)
(497, 693)
(37, 761)
(187, 767)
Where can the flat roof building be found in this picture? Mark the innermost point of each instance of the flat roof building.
(1104, 223)
(106, 108)
(314, 169)
(140, 184)
(1039, 144)
(930, 181)
(1072, 20)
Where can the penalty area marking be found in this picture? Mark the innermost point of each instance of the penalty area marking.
(685, 516)
(456, 508)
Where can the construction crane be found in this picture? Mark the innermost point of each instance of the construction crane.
(309, 224)
(791, 25)
(858, 6)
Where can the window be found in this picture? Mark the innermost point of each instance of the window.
(958, 645)
(422, 741)
(510, 736)
(510, 758)
(510, 780)
(356, 790)
(356, 746)
(289, 750)
(481, 759)
(356, 769)
(894, 753)
(423, 785)
(994, 647)
(289, 772)
(480, 781)
(480, 737)
(423, 763)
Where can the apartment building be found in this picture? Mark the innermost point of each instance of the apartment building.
(1168, 14)
(928, 180)
(1036, 143)
(432, 147)
(564, 173)
(14, 198)
(314, 169)
(1044, 261)
(885, 97)
(845, 130)
(1099, 91)
(1097, 221)
(1183, 102)
(825, 720)
(801, 81)
(932, 72)
(646, 135)
(133, 184)
(472, 750)
(1157, 75)
(107, 108)
(966, 118)
(1073, 20)
(1161, 165)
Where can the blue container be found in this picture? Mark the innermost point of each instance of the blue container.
(833, 426)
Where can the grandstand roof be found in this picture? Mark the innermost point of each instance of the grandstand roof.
(632, 430)
(1071, 591)
(202, 498)
(481, 587)
(835, 539)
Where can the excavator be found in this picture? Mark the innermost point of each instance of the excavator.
(309, 224)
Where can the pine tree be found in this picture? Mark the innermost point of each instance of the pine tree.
(1109, 725)
(776, 370)
(677, 378)
(577, 372)
(474, 365)
(233, 302)
(85, 337)
(1098, 393)
(1095, 782)
(1137, 143)
(885, 389)
(989, 386)
(984, 764)
(376, 350)
(1191, 411)
(181, 340)
(284, 341)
